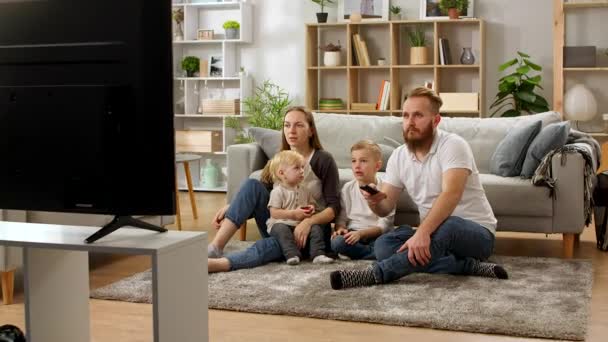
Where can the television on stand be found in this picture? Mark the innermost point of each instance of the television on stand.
(86, 108)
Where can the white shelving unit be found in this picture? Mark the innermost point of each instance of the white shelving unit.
(190, 91)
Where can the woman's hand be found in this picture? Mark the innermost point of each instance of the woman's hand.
(301, 232)
(219, 217)
(339, 231)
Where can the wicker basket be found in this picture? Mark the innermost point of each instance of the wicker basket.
(221, 107)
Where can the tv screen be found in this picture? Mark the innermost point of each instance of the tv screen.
(86, 114)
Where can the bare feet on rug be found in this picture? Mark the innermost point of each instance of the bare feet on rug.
(218, 265)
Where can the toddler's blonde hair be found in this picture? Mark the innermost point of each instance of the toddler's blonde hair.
(270, 174)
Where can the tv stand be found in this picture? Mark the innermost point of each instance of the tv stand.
(120, 221)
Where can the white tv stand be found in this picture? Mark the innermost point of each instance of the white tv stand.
(56, 273)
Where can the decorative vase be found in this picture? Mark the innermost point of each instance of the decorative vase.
(395, 16)
(418, 55)
(467, 57)
(322, 17)
(190, 73)
(232, 33)
(179, 33)
(210, 175)
(355, 17)
(453, 13)
(579, 104)
(331, 58)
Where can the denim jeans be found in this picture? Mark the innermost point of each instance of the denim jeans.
(361, 250)
(315, 245)
(251, 201)
(455, 246)
(260, 253)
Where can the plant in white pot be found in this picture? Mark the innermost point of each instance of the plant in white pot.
(395, 12)
(331, 54)
(418, 49)
(232, 28)
(322, 16)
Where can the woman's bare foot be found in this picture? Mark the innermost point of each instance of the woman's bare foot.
(218, 265)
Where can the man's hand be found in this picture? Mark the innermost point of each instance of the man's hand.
(300, 233)
(219, 217)
(339, 231)
(353, 237)
(372, 200)
(418, 246)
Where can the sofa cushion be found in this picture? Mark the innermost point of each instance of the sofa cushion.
(268, 139)
(510, 153)
(516, 196)
(483, 135)
(551, 137)
(386, 154)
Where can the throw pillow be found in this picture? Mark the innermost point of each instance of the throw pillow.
(392, 142)
(551, 137)
(510, 153)
(268, 139)
(386, 153)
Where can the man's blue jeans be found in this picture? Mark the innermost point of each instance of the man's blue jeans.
(455, 246)
(359, 251)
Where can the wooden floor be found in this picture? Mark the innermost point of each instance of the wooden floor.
(119, 321)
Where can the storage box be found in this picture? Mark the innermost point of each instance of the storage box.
(459, 102)
(198, 141)
(579, 56)
(221, 107)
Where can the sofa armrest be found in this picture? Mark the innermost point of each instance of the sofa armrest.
(242, 160)
(569, 201)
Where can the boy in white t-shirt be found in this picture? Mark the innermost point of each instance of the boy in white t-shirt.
(357, 226)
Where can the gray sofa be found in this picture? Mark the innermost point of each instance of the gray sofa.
(518, 205)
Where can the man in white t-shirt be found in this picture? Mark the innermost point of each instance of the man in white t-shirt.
(457, 225)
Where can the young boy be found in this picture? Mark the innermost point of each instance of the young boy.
(357, 227)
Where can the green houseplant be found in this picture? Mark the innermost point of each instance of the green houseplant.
(265, 108)
(191, 65)
(418, 49)
(232, 28)
(454, 8)
(395, 12)
(516, 90)
(322, 16)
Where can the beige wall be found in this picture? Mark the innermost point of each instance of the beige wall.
(278, 49)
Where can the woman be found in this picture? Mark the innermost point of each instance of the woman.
(321, 179)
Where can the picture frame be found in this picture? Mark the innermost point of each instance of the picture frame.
(204, 34)
(370, 10)
(429, 10)
(216, 66)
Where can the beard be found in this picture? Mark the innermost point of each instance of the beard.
(425, 135)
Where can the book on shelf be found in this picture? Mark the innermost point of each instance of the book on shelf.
(445, 58)
(362, 54)
(363, 106)
(386, 95)
(380, 94)
(355, 57)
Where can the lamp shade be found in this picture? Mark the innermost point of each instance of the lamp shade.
(579, 104)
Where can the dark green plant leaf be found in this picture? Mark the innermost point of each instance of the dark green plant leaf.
(526, 96)
(507, 64)
(523, 69)
(533, 65)
(510, 113)
(541, 101)
(525, 86)
(506, 87)
(524, 55)
(512, 79)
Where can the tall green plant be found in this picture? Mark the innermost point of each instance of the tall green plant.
(323, 3)
(417, 38)
(265, 108)
(516, 91)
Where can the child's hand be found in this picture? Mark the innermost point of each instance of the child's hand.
(339, 231)
(301, 214)
(353, 237)
(309, 208)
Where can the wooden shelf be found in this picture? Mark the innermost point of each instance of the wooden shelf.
(587, 69)
(385, 67)
(209, 41)
(568, 5)
(343, 111)
(397, 22)
(458, 66)
(207, 78)
(211, 5)
(412, 66)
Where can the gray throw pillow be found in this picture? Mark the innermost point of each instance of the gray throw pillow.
(392, 142)
(268, 139)
(551, 137)
(510, 153)
(386, 153)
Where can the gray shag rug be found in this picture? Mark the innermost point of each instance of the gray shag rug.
(543, 297)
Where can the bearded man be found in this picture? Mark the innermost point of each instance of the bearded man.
(457, 225)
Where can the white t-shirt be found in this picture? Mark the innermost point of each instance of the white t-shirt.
(422, 179)
(355, 213)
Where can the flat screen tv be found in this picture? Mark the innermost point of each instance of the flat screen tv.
(86, 108)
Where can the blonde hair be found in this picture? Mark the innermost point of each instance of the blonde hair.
(270, 174)
(314, 141)
(433, 98)
(369, 146)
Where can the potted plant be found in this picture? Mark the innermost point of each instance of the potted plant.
(395, 12)
(178, 17)
(516, 90)
(454, 7)
(190, 64)
(331, 54)
(265, 108)
(322, 16)
(232, 29)
(418, 50)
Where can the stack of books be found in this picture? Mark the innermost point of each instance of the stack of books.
(360, 53)
(363, 106)
(445, 58)
(384, 96)
(331, 104)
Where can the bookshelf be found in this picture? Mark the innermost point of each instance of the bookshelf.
(580, 15)
(355, 83)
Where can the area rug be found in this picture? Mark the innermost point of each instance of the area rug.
(543, 297)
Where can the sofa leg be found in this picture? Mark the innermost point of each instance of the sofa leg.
(8, 282)
(243, 230)
(568, 245)
(577, 240)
